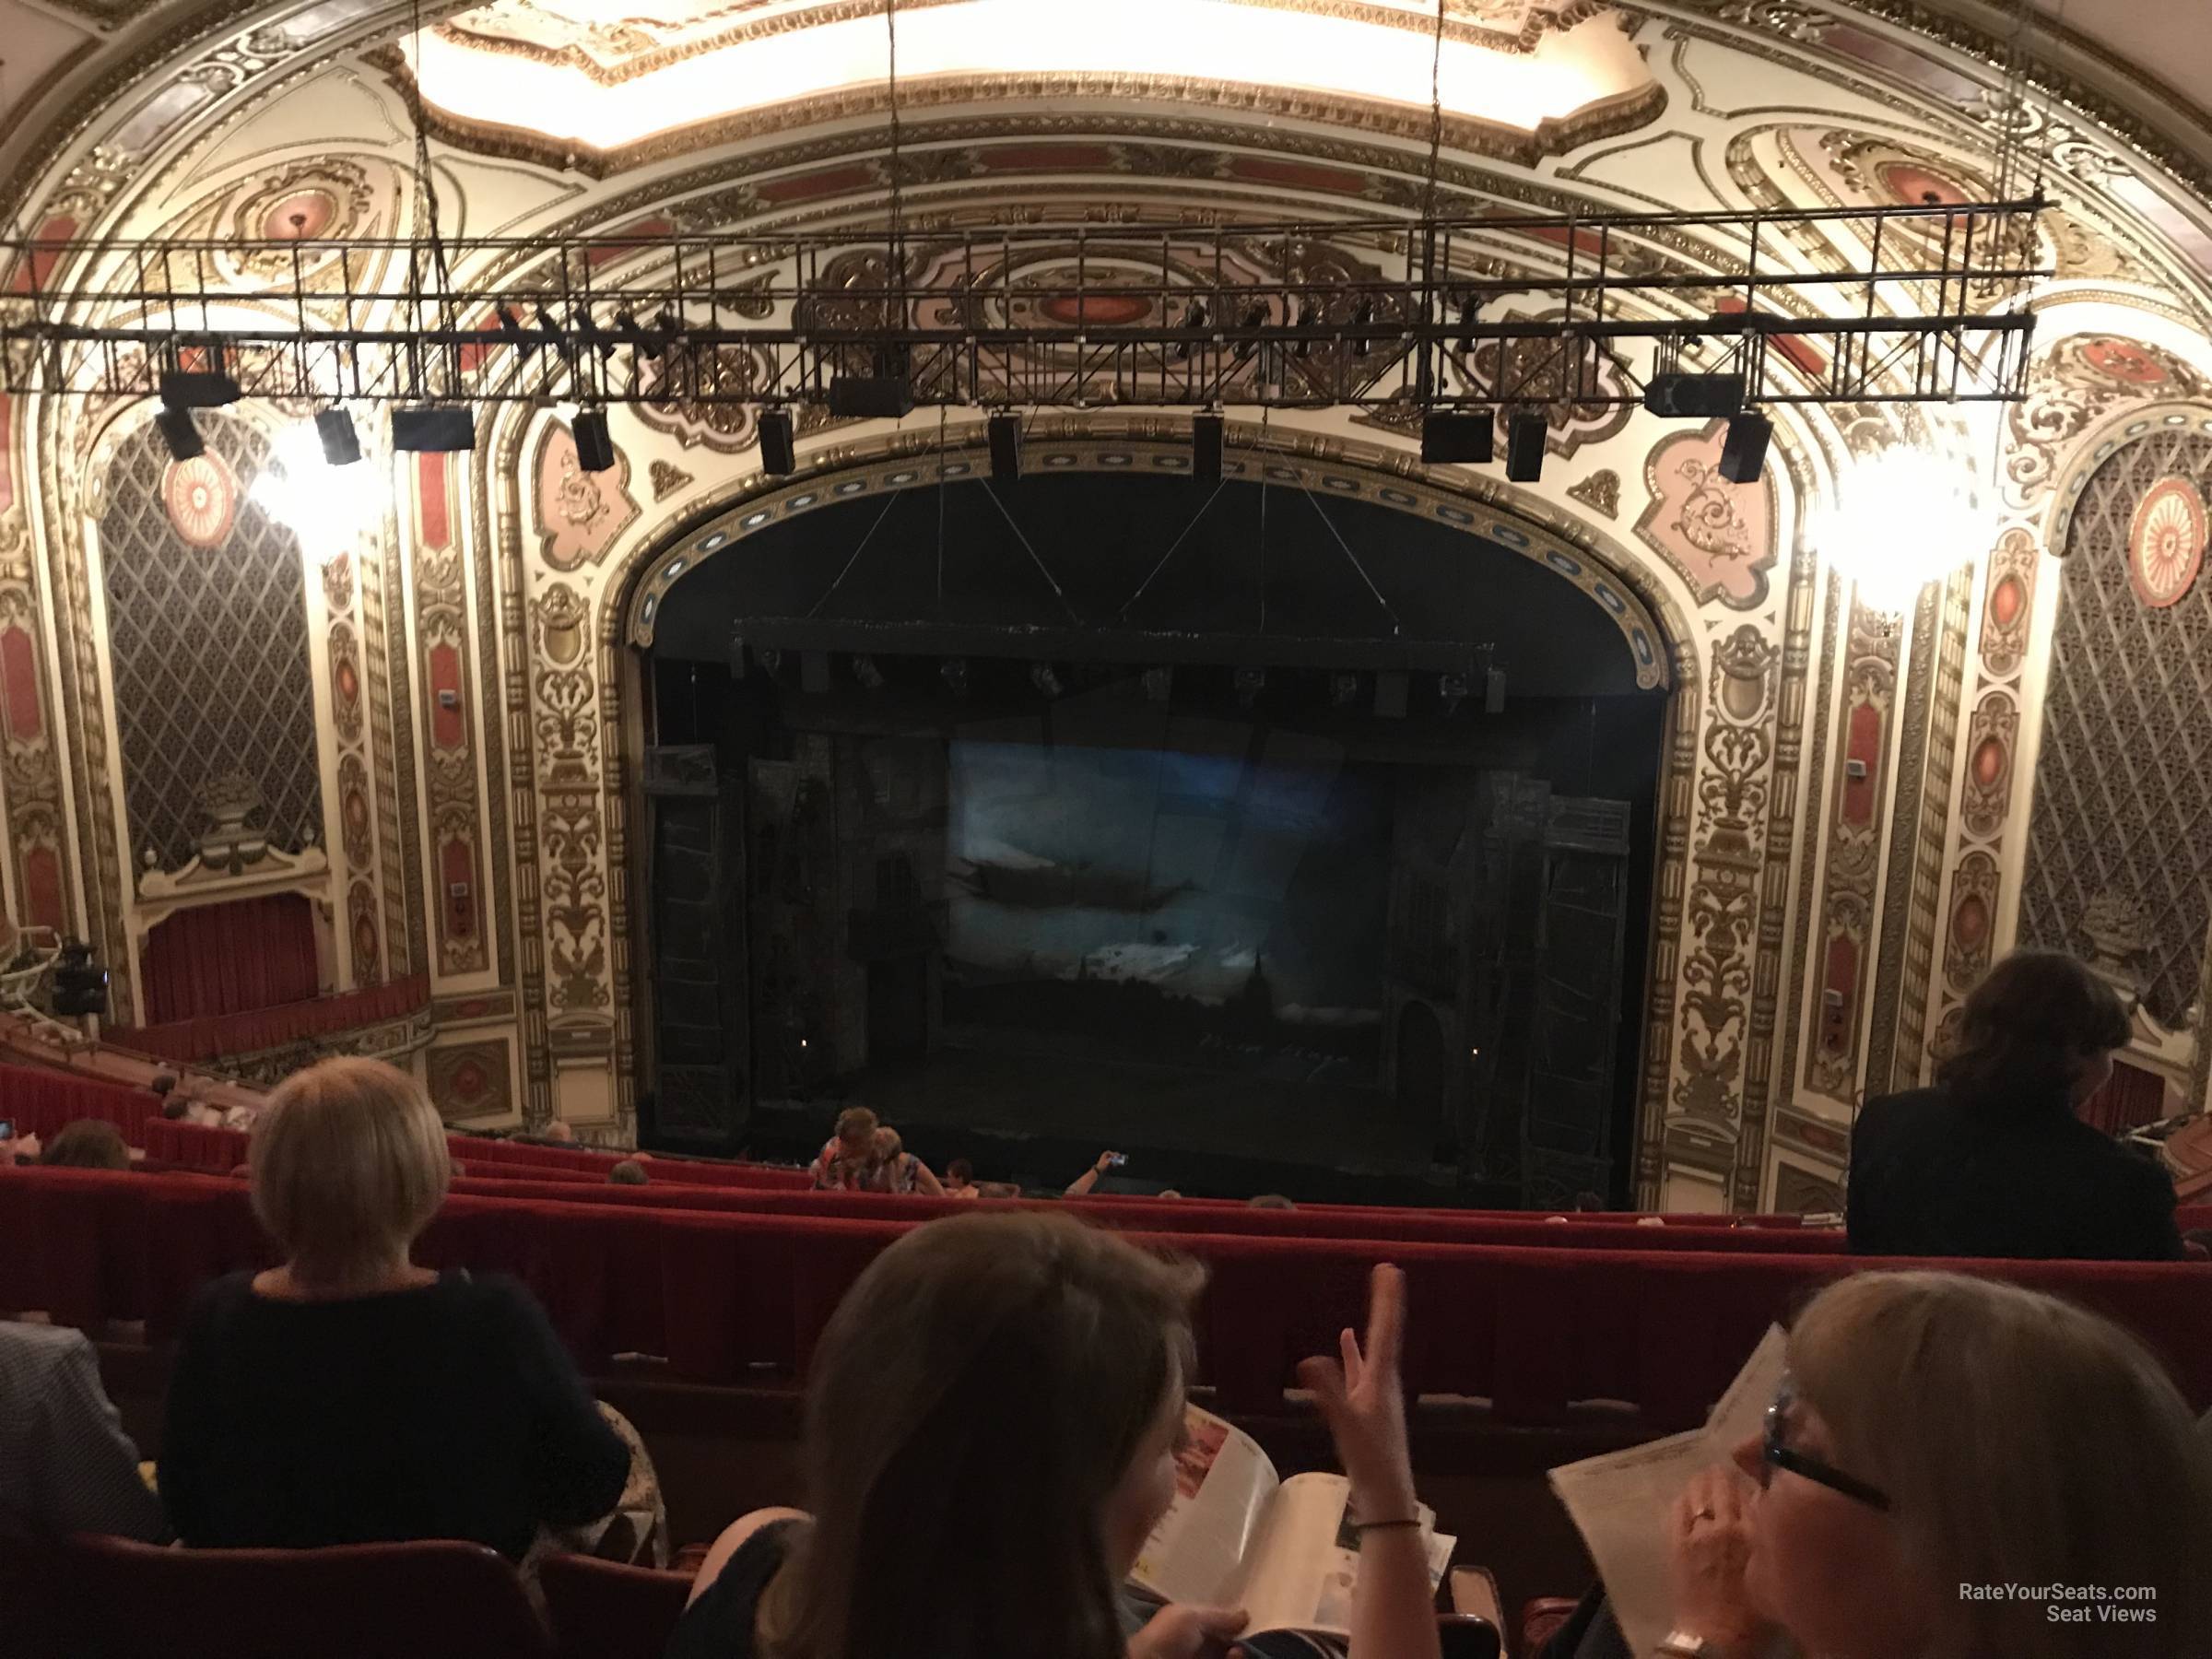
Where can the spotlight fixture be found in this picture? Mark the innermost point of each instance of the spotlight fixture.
(1205, 448)
(1045, 678)
(80, 984)
(1195, 320)
(436, 428)
(1469, 308)
(1744, 450)
(778, 455)
(1251, 682)
(341, 443)
(1524, 438)
(870, 397)
(1344, 690)
(1363, 319)
(180, 434)
(510, 324)
(594, 444)
(1694, 397)
(1159, 682)
(867, 674)
(955, 670)
(1493, 692)
(1004, 428)
(198, 389)
(1453, 689)
(1464, 437)
(546, 325)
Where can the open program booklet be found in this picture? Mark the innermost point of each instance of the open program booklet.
(1239, 1535)
(1622, 1501)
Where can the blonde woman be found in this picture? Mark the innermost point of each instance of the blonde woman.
(350, 1396)
(1941, 1446)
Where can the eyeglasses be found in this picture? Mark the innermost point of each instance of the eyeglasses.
(1780, 1457)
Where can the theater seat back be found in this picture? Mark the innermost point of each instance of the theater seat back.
(438, 1600)
(604, 1610)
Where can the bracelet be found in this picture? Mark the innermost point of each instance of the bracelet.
(1378, 1526)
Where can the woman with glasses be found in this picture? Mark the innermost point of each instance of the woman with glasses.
(1954, 1469)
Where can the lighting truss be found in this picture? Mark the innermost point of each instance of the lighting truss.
(1902, 304)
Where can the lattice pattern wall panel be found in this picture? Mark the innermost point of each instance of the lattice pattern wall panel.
(207, 636)
(2123, 812)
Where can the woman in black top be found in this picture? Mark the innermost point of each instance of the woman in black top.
(349, 1396)
(992, 1425)
(1996, 1160)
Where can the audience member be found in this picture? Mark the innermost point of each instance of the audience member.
(559, 1132)
(992, 1421)
(959, 1180)
(350, 1396)
(88, 1144)
(846, 1162)
(18, 1148)
(1937, 1436)
(1269, 1200)
(898, 1170)
(1993, 1160)
(1090, 1178)
(627, 1172)
(66, 1464)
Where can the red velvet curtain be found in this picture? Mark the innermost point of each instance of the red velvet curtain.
(229, 959)
(2133, 1097)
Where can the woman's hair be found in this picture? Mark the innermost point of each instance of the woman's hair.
(2021, 1440)
(2026, 1028)
(855, 1123)
(349, 1163)
(88, 1144)
(890, 1143)
(978, 1396)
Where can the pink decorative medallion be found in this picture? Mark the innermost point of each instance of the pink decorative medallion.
(2166, 542)
(202, 499)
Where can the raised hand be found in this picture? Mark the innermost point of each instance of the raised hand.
(1362, 1400)
(1182, 1631)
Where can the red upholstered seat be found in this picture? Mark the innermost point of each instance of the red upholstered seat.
(40, 1102)
(442, 1600)
(603, 1610)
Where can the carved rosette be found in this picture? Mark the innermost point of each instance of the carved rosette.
(449, 723)
(1845, 967)
(572, 830)
(1721, 912)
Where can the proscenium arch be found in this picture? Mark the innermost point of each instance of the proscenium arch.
(635, 572)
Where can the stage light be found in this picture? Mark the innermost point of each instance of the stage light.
(1493, 692)
(1525, 435)
(1453, 689)
(437, 429)
(1045, 678)
(778, 455)
(1344, 690)
(341, 444)
(1463, 438)
(1004, 428)
(1309, 316)
(1251, 682)
(510, 324)
(866, 670)
(1195, 320)
(955, 670)
(180, 434)
(1468, 313)
(870, 397)
(1362, 320)
(197, 389)
(1205, 448)
(1744, 451)
(594, 444)
(546, 325)
(1159, 683)
(1901, 520)
(80, 984)
(1676, 396)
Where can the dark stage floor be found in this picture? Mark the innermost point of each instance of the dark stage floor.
(1041, 1117)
